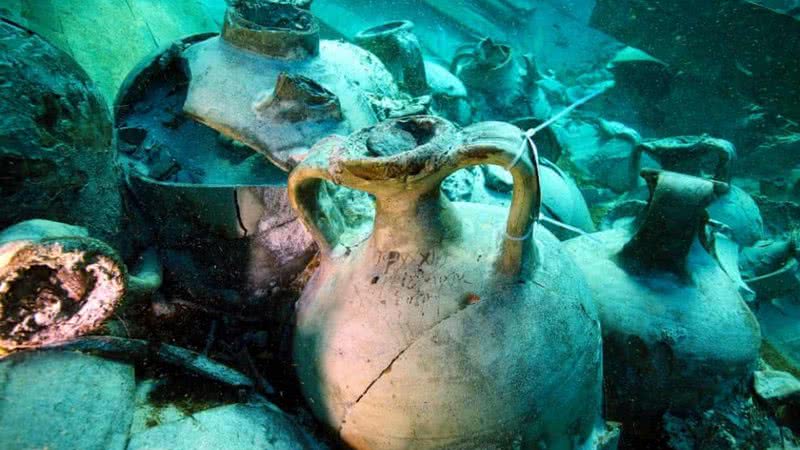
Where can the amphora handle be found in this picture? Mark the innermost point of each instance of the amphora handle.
(674, 218)
(422, 169)
(305, 184)
(504, 145)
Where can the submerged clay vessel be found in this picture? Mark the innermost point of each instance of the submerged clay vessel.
(207, 129)
(501, 85)
(676, 333)
(453, 325)
(57, 283)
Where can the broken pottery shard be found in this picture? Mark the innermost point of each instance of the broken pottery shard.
(56, 283)
(601, 152)
(263, 46)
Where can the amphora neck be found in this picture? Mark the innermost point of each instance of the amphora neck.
(672, 223)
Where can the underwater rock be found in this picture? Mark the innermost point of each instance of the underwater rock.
(736, 424)
(56, 154)
(65, 400)
(402, 348)
(777, 388)
(501, 86)
(676, 333)
(56, 283)
(251, 426)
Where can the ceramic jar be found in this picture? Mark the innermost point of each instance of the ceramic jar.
(452, 325)
(677, 335)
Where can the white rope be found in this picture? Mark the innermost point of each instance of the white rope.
(528, 141)
(531, 132)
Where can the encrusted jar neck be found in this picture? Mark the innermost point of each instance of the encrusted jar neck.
(278, 30)
(402, 163)
(672, 223)
(487, 65)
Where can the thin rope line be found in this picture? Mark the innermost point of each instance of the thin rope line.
(531, 132)
(528, 141)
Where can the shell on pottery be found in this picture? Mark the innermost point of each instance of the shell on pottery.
(441, 329)
(677, 335)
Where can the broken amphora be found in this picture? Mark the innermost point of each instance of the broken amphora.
(501, 86)
(677, 335)
(188, 119)
(453, 325)
(57, 283)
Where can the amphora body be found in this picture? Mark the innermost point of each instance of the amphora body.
(677, 335)
(448, 327)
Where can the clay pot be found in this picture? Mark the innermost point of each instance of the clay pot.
(57, 160)
(447, 327)
(187, 127)
(676, 333)
(501, 86)
(397, 46)
(57, 283)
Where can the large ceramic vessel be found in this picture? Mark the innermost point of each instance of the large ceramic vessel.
(207, 128)
(676, 333)
(453, 325)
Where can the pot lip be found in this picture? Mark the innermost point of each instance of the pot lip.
(385, 29)
(423, 159)
(272, 40)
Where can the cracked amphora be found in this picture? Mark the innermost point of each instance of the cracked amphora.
(452, 325)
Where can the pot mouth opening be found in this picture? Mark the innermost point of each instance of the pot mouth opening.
(494, 56)
(402, 136)
(386, 28)
(270, 16)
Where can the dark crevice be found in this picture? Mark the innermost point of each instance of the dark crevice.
(239, 212)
